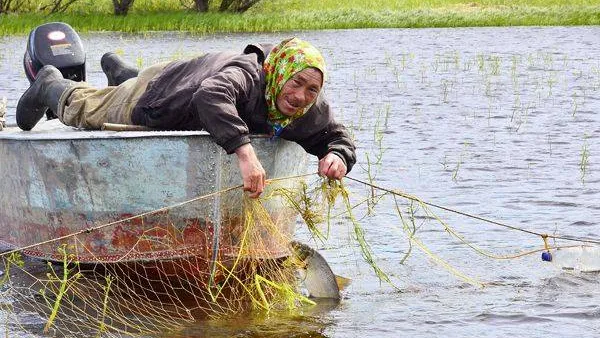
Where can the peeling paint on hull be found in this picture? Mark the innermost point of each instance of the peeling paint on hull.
(58, 181)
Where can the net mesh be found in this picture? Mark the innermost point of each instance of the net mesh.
(163, 270)
(158, 271)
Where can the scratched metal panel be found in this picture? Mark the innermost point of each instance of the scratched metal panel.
(58, 180)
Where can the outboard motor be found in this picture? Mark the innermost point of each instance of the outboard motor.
(57, 44)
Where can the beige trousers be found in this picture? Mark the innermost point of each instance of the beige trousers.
(83, 106)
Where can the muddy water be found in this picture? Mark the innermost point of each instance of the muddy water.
(498, 122)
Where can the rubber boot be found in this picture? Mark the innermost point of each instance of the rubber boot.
(116, 69)
(44, 93)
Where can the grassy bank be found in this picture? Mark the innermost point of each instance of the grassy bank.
(282, 15)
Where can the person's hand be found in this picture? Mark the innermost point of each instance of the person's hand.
(253, 174)
(332, 167)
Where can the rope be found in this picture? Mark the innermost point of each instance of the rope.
(483, 219)
(393, 192)
(545, 239)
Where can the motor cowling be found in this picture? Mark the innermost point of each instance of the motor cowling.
(57, 44)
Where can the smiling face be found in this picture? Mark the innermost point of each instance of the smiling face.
(295, 73)
(299, 91)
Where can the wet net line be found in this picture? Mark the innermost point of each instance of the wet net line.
(586, 240)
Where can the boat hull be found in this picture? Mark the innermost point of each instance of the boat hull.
(58, 181)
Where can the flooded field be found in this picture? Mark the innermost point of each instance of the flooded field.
(502, 123)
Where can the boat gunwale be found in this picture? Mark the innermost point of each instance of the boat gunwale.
(80, 134)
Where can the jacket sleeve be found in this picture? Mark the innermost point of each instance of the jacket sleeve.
(319, 134)
(216, 102)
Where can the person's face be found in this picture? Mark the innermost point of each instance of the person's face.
(299, 91)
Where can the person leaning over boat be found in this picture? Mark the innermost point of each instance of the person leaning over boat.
(266, 89)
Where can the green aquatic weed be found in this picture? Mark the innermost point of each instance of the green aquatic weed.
(13, 258)
(584, 161)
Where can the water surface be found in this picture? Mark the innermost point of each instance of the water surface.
(498, 122)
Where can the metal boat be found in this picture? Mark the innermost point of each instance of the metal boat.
(58, 181)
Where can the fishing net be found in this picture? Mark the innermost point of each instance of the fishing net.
(158, 271)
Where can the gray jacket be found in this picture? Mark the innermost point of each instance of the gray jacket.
(224, 94)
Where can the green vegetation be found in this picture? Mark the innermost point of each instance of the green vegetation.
(282, 15)
(584, 161)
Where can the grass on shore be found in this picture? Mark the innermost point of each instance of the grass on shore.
(285, 15)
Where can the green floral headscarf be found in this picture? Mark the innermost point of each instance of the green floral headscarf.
(286, 59)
